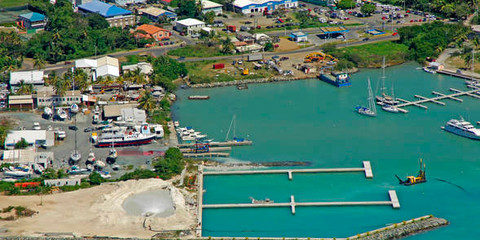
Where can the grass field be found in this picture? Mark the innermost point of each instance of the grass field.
(198, 50)
(12, 3)
(370, 55)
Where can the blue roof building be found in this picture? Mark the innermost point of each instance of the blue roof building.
(299, 37)
(116, 16)
(32, 20)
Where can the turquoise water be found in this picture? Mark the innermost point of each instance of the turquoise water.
(313, 121)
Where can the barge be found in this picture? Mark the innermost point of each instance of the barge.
(338, 79)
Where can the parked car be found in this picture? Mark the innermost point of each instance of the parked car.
(365, 39)
(73, 127)
(88, 129)
(180, 58)
(283, 58)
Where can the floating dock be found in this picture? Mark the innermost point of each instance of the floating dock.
(219, 144)
(439, 96)
(292, 204)
(200, 201)
(206, 155)
(211, 149)
(366, 168)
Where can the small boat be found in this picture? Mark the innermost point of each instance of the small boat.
(99, 165)
(37, 168)
(371, 111)
(62, 114)
(96, 118)
(113, 153)
(176, 124)
(462, 128)
(429, 70)
(255, 201)
(420, 178)
(74, 108)
(198, 97)
(390, 108)
(47, 112)
(76, 170)
(17, 172)
(104, 174)
(91, 157)
(75, 157)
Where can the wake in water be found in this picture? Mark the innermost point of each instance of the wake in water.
(445, 181)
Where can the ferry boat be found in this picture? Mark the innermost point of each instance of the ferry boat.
(462, 128)
(119, 137)
(336, 78)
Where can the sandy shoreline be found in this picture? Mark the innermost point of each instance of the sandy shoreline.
(97, 211)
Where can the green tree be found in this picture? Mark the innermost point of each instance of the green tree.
(269, 47)
(22, 144)
(24, 89)
(345, 4)
(95, 21)
(95, 178)
(171, 165)
(49, 173)
(368, 9)
(227, 46)
(187, 8)
(146, 101)
(209, 17)
(144, 20)
(39, 61)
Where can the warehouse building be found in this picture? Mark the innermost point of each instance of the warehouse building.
(260, 6)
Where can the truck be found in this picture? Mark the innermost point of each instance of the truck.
(218, 65)
(231, 28)
(255, 57)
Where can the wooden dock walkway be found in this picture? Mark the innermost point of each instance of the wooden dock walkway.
(220, 144)
(292, 204)
(439, 96)
(366, 168)
(455, 74)
(212, 149)
(200, 201)
(206, 155)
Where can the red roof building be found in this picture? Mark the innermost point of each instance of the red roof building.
(150, 31)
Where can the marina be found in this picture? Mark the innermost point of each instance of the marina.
(367, 169)
(440, 96)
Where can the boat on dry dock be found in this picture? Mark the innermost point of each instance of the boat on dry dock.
(125, 136)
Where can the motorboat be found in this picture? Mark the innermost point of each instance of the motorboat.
(429, 70)
(113, 153)
(99, 165)
(91, 157)
(462, 128)
(62, 114)
(176, 124)
(47, 112)
(74, 108)
(75, 157)
(17, 172)
(76, 170)
(390, 108)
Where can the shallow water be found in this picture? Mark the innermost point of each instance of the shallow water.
(313, 121)
(155, 203)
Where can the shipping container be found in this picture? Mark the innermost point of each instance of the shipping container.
(231, 28)
(218, 65)
(27, 184)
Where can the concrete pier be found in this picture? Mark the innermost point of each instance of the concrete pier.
(366, 168)
(292, 204)
(206, 155)
(439, 96)
(200, 201)
(212, 149)
(219, 144)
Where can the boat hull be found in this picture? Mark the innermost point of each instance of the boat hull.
(126, 143)
(460, 132)
(330, 79)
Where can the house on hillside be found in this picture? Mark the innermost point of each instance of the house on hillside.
(102, 67)
(115, 16)
(129, 2)
(150, 31)
(157, 14)
(189, 25)
(32, 20)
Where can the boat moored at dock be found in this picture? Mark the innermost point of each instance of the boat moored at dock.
(462, 128)
(337, 79)
(198, 97)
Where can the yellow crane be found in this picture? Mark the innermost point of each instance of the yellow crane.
(317, 56)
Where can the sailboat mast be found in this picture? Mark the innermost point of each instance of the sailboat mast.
(383, 76)
(473, 63)
(234, 126)
(371, 104)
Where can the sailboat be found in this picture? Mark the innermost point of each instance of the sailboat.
(47, 113)
(233, 124)
(91, 157)
(74, 108)
(371, 110)
(391, 107)
(384, 99)
(75, 156)
(62, 114)
(112, 155)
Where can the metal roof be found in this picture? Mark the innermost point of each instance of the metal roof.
(190, 22)
(33, 16)
(105, 10)
(28, 77)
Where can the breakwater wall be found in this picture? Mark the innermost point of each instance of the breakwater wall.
(403, 229)
(249, 81)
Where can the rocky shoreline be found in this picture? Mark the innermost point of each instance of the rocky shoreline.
(403, 229)
(248, 81)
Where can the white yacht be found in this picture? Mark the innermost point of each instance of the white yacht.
(390, 108)
(74, 108)
(462, 128)
(62, 114)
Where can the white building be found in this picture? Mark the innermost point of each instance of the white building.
(62, 182)
(299, 37)
(134, 115)
(34, 138)
(129, 2)
(102, 67)
(209, 6)
(145, 68)
(46, 97)
(189, 25)
(28, 77)
(260, 6)
(27, 157)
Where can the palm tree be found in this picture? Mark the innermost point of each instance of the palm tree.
(24, 89)
(81, 80)
(227, 46)
(146, 101)
(467, 58)
(39, 61)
